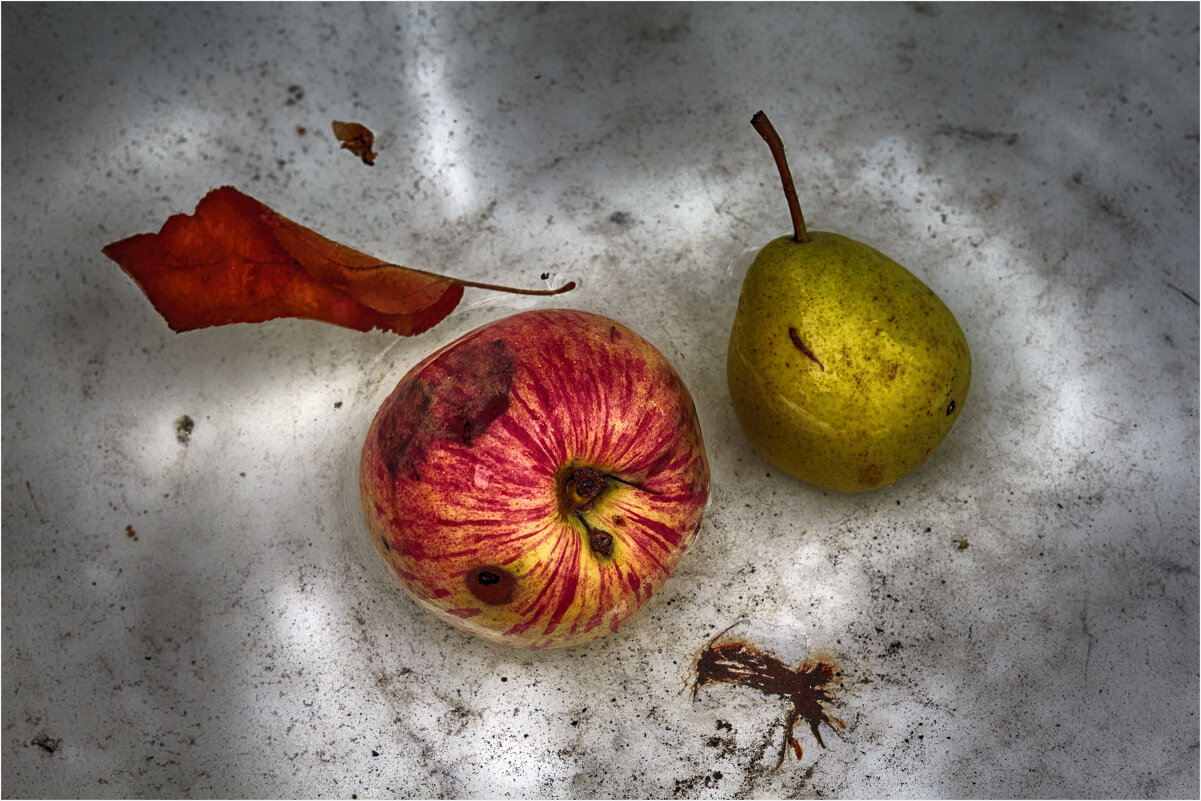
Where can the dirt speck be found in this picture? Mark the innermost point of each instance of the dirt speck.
(184, 425)
(47, 743)
(129, 532)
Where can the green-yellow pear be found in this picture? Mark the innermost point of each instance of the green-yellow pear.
(845, 369)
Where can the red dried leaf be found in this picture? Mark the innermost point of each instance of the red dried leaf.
(357, 138)
(236, 261)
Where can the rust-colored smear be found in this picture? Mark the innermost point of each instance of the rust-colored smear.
(742, 664)
(357, 138)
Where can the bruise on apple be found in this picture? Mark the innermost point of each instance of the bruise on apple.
(742, 664)
(491, 584)
(455, 403)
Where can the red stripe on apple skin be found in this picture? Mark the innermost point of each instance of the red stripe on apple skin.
(564, 578)
(494, 499)
(633, 581)
(463, 613)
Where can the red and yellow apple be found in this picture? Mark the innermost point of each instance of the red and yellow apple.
(537, 480)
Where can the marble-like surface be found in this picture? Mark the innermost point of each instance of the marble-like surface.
(1018, 617)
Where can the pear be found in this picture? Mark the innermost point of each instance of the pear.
(845, 370)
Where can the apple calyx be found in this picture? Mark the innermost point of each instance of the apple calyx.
(768, 131)
(580, 489)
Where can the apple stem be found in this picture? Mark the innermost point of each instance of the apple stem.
(763, 125)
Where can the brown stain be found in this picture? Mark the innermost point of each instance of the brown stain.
(454, 403)
(871, 475)
(129, 532)
(740, 663)
(796, 340)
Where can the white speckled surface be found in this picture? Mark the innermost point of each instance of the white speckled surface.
(1037, 165)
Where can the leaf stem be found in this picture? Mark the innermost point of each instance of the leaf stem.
(570, 285)
(763, 125)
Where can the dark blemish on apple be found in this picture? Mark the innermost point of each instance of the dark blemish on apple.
(619, 521)
(490, 584)
(600, 542)
(454, 402)
(384, 540)
(739, 663)
(612, 333)
(400, 424)
(950, 408)
(796, 340)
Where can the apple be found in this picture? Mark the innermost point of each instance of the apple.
(536, 481)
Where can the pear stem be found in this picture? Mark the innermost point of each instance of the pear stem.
(763, 125)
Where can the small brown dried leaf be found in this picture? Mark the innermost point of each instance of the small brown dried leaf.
(357, 138)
